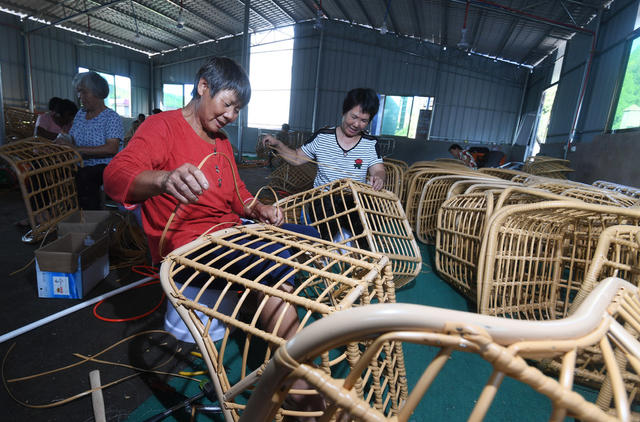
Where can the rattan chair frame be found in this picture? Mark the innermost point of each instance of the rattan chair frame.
(605, 321)
(46, 175)
(395, 161)
(462, 186)
(372, 217)
(506, 174)
(393, 178)
(534, 256)
(293, 179)
(460, 230)
(623, 189)
(329, 278)
(434, 193)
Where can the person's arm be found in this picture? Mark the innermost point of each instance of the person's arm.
(376, 176)
(108, 149)
(294, 157)
(42, 132)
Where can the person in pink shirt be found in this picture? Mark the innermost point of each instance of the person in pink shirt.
(57, 120)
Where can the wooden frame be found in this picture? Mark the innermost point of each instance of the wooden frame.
(328, 278)
(46, 174)
(605, 321)
(350, 212)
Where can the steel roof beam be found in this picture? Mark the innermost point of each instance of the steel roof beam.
(77, 15)
(366, 13)
(396, 28)
(202, 18)
(263, 17)
(444, 33)
(281, 9)
(416, 19)
(344, 12)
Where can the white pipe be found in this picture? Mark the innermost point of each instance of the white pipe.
(53, 317)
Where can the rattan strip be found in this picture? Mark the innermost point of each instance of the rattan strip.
(623, 189)
(507, 174)
(462, 186)
(604, 322)
(328, 277)
(46, 174)
(350, 212)
(461, 225)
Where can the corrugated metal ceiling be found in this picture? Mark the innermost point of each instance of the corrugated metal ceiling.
(519, 31)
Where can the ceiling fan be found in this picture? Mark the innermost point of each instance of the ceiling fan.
(87, 41)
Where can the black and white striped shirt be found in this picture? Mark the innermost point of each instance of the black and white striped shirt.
(337, 163)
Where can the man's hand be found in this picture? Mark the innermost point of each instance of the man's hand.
(265, 214)
(185, 183)
(376, 182)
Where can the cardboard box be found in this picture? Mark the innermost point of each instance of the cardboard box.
(67, 268)
(95, 223)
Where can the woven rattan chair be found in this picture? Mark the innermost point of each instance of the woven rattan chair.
(350, 212)
(393, 178)
(602, 322)
(461, 225)
(400, 163)
(328, 278)
(535, 256)
(478, 185)
(293, 179)
(419, 178)
(46, 174)
(434, 193)
(506, 174)
(623, 189)
(19, 123)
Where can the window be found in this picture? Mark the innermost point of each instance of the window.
(544, 116)
(403, 116)
(557, 66)
(628, 108)
(119, 98)
(270, 75)
(176, 96)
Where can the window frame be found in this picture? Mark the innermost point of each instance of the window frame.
(611, 115)
(377, 122)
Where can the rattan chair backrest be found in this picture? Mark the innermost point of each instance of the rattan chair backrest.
(400, 163)
(46, 174)
(461, 186)
(328, 278)
(534, 257)
(293, 179)
(604, 322)
(19, 123)
(350, 212)
(507, 174)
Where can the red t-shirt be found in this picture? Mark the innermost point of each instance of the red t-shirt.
(165, 141)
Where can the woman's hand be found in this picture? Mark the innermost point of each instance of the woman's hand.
(186, 183)
(376, 182)
(270, 142)
(265, 214)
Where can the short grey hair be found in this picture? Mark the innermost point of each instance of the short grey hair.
(95, 83)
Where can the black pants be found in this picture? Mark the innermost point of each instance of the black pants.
(89, 186)
(335, 204)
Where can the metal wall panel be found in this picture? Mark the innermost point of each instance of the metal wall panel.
(476, 99)
(55, 57)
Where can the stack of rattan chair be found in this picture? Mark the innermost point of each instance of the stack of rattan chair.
(350, 212)
(556, 168)
(46, 174)
(19, 123)
(393, 178)
(328, 278)
(606, 321)
(404, 166)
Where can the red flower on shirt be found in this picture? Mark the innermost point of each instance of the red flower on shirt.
(358, 163)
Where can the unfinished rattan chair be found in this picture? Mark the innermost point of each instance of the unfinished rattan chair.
(393, 178)
(293, 179)
(434, 193)
(507, 174)
(19, 123)
(404, 166)
(328, 278)
(605, 321)
(623, 189)
(350, 212)
(547, 166)
(534, 257)
(46, 174)
(417, 180)
(460, 228)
